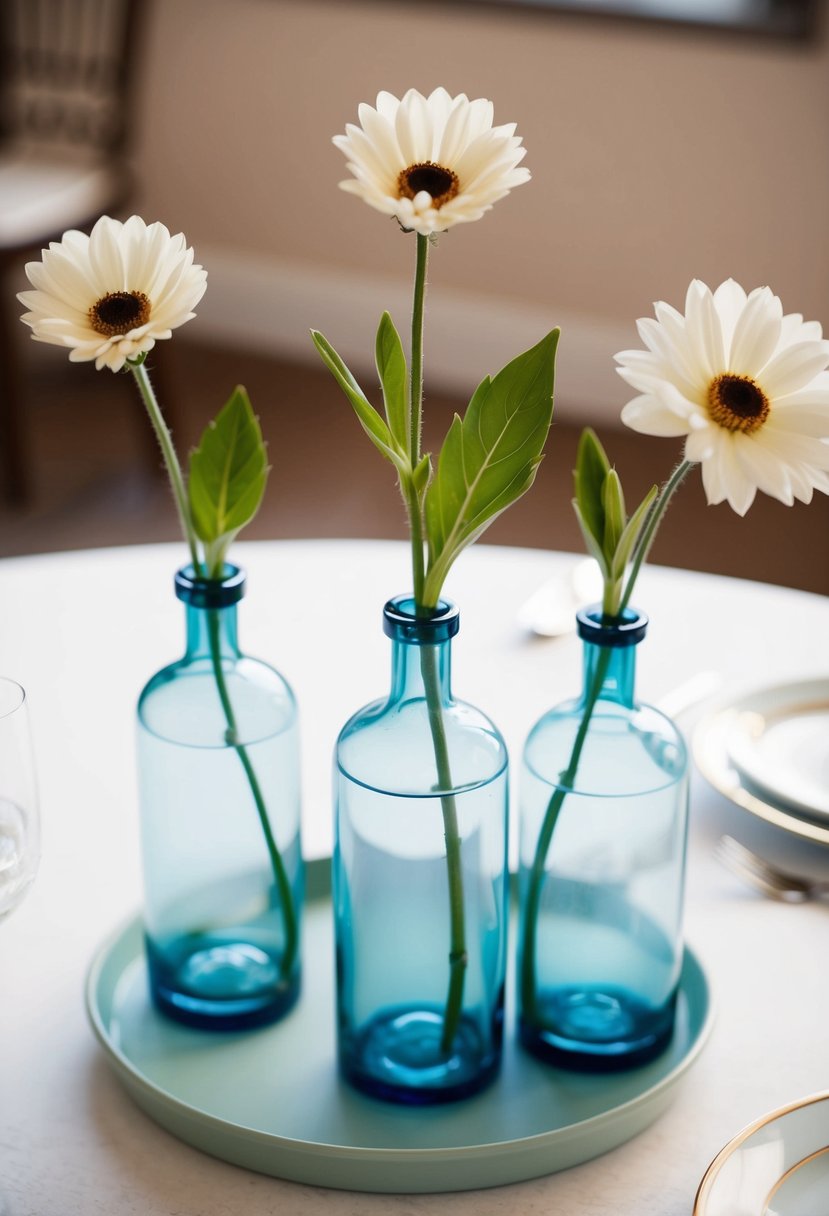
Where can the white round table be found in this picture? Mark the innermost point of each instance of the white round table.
(83, 631)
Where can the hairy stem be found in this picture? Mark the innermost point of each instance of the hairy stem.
(418, 309)
(648, 533)
(171, 463)
(431, 681)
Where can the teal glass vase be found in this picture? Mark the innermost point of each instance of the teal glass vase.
(604, 798)
(218, 763)
(420, 878)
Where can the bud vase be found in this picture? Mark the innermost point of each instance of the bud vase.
(420, 878)
(604, 796)
(218, 759)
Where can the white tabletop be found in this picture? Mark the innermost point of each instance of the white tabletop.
(83, 631)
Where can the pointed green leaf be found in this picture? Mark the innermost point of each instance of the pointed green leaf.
(391, 367)
(490, 457)
(422, 473)
(592, 466)
(593, 546)
(374, 426)
(630, 535)
(613, 503)
(227, 476)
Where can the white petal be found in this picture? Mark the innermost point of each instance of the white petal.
(413, 127)
(756, 333)
(730, 300)
(724, 478)
(763, 467)
(703, 329)
(793, 368)
(650, 416)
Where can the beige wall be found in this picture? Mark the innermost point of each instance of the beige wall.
(657, 155)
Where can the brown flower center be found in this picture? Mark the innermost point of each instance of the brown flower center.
(119, 312)
(442, 184)
(737, 403)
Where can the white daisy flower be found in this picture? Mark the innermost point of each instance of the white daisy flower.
(745, 384)
(431, 161)
(113, 294)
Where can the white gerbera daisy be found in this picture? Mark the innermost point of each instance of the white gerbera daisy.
(747, 385)
(112, 295)
(431, 161)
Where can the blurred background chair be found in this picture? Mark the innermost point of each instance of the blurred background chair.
(67, 73)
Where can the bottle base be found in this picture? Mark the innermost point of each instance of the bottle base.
(398, 1057)
(597, 1030)
(224, 984)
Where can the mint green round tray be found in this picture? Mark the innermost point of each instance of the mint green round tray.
(271, 1100)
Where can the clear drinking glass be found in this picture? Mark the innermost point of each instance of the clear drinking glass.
(19, 818)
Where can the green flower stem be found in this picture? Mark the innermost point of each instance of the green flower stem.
(414, 508)
(168, 451)
(414, 502)
(648, 534)
(457, 928)
(431, 682)
(529, 991)
(277, 864)
(418, 308)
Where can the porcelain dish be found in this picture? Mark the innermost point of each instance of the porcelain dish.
(768, 752)
(778, 1166)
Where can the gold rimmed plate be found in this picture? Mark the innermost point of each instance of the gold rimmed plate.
(768, 753)
(777, 1166)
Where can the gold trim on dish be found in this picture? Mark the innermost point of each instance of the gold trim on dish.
(710, 1175)
(711, 758)
(798, 1164)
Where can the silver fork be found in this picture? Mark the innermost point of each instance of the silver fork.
(777, 884)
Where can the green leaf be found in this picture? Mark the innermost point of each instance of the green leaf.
(592, 467)
(391, 367)
(613, 504)
(630, 535)
(594, 548)
(490, 457)
(422, 472)
(228, 472)
(373, 425)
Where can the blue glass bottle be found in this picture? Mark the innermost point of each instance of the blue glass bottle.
(602, 844)
(420, 878)
(218, 758)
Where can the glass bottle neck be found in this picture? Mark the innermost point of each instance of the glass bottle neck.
(211, 630)
(421, 650)
(413, 663)
(615, 668)
(610, 654)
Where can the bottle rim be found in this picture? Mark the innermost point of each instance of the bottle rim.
(402, 624)
(628, 630)
(210, 592)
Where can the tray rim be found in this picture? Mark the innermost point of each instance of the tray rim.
(317, 889)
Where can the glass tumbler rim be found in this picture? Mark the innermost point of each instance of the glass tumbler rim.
(12, 696)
